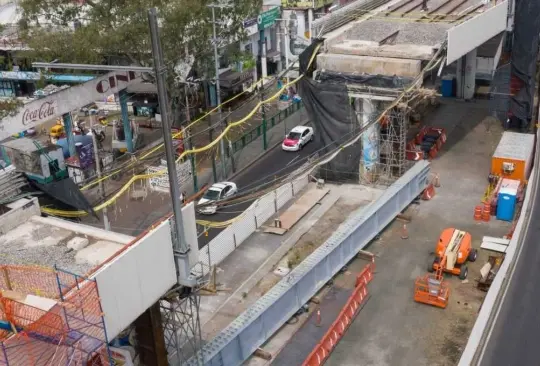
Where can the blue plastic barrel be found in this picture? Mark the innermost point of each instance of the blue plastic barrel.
(506, 206)
(447, 86)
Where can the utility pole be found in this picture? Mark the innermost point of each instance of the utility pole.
(218, 90)
(180, 247)
(101, 187)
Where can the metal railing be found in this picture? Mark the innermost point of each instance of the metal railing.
(265, 126)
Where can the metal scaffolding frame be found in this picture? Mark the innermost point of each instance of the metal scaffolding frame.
(182, 325)
(391, 140)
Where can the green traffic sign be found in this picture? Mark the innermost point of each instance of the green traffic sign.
(268, 18)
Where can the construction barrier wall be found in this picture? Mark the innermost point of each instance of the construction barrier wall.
(330, 340)
(236, 343)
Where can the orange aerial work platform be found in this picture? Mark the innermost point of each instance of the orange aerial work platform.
(453, 249)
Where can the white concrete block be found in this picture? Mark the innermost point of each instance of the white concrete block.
(77, 243)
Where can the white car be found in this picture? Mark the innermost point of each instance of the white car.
(297, 138)
(217, 192)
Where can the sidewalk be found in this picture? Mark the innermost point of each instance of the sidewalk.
(131, 217)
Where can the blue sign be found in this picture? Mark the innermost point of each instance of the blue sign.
(86, 156)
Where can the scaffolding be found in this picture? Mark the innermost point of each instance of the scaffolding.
(70, 331)
(181, 324)
(389, 136)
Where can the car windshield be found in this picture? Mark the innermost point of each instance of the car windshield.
(212, 194)
(294, 135)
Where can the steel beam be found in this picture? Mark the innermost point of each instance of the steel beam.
(256, 325)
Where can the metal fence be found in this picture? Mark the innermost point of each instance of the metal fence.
(499, 93)
(260, 130)
(250, 220)
(256, 325)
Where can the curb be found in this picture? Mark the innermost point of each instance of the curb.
(239, 172)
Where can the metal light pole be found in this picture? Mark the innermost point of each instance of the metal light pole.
(180, 247)
(101, 187)
(218, 90)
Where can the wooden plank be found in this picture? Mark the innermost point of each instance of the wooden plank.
(492, 239)
(299, 209)
(494, 247)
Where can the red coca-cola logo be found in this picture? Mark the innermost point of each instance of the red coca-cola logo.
(45, 110)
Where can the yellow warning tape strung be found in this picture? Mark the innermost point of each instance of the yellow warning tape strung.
(113, 198)
(160, 146)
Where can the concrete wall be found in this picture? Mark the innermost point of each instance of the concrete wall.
(365, 48)
(369, 65)
(21, 211)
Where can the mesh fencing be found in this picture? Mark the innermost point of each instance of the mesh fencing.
(499, 93)
(250, 220)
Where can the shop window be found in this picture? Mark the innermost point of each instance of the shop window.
(6, 89)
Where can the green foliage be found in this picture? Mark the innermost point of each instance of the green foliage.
(120, 29)
(9, 107)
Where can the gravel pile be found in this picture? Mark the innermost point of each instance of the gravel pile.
(427, 34)
(34, 244)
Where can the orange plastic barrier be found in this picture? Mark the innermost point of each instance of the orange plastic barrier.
(360, 294)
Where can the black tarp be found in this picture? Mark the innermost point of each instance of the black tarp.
(67, 192)
(333, 117)
(378, 81)
(524, 54)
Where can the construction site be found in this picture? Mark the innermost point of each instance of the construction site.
(379, 243)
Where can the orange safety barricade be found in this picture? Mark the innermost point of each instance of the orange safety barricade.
(329, 341)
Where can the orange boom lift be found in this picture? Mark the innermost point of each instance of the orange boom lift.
(453, 250)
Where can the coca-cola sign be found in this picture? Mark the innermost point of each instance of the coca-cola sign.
(41, 113)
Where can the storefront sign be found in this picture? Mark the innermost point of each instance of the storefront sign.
(19, 75)
(305, 4)
(251, 27)
(55, 105)
(268, 18)
(44, 111)
(160, 183)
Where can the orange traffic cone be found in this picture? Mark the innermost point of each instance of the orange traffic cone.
(404, 232)
(478, 213)
(486, 212)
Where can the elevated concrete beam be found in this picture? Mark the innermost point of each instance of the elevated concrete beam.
(369, 65)
(366, 48)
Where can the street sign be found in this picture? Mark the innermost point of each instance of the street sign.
(268, 18)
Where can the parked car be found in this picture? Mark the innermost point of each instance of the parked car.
(297, 138)
(217, 192)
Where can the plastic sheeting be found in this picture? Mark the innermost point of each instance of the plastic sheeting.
(524, 53)
(334, 119)
(67, 192)
(379, 81)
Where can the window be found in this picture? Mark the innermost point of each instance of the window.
(211, 194)
(6, 89)
(294, 135)
(304, 134)
(249, 48)
(225, 191)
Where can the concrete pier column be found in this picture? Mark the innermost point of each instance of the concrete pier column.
(466, 76)
(123, 97)
(366, 110)
(68, 127)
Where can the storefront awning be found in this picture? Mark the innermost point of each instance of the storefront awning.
(231, 79)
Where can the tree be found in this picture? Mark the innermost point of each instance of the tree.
(9, 107)
(106, 31)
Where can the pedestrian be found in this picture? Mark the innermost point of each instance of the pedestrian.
(184, 195)
(424, 6)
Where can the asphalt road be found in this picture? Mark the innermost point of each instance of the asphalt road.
(275, 164)
(515, 335)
